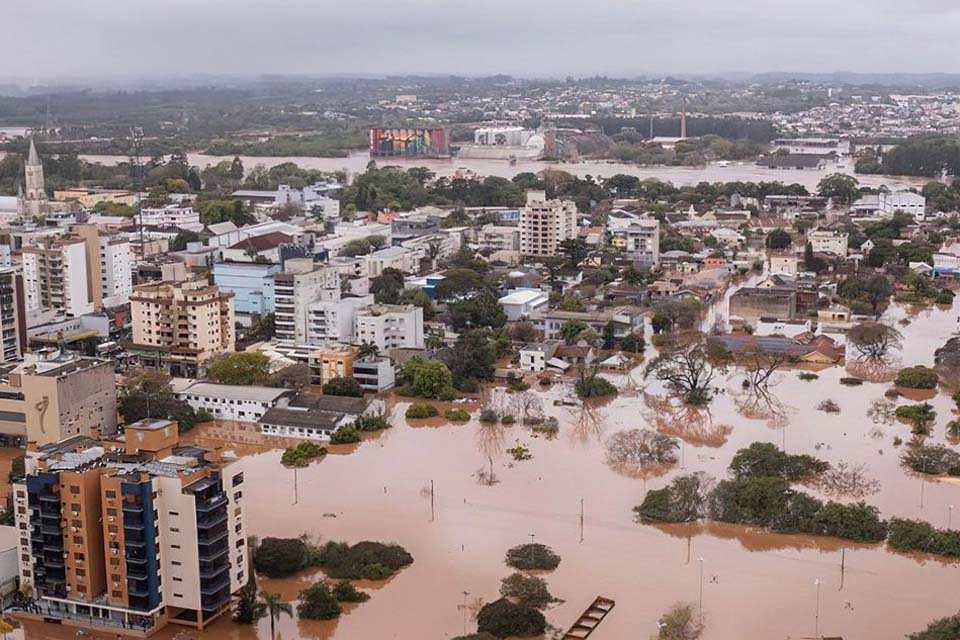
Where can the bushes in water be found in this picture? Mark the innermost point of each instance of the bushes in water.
(317, 602)
(921, 416)
(807, 377)
(828, 406)
(918, 377)
(916, 535)
(683, 500)
(851, 382)
(769, 502)
(421, 411)
(763, 459)
(528, 591)
(456, 415)
(279, 557)
(942, 629)
(508, 419)
(302, 454)
(343, 591)
(934, 459)
(489, 416)
(503, 618)
(347, 434)
(527, 557)
(371, 423)
(596, 387)
(364, 560)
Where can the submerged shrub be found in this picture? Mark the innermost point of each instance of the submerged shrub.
(531, 556)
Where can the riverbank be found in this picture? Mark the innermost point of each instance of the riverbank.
(357, 162)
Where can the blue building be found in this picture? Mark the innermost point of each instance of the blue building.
(251, 284)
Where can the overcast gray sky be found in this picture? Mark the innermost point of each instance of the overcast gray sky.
(45, 39)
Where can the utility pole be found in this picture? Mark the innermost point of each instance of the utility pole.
(949, 517)
(700, 599)
(843, 565)
(581, 520)
(432, 513)
(296, 492)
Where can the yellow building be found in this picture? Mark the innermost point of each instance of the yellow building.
(91, 197)
(180, 326)
(51, 396)
(332, 362)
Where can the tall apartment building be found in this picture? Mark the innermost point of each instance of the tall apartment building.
(51, 396)
(544, 224)
(180, 326)
(55, 276)
(301, 284)
(333, 320)
(390, 326)
(126, 535)
(74, 273)
(13, 321)
(109, 274)
(640, 239)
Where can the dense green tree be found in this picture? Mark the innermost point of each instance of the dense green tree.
(472, 360)
(779, 238)
(427, 379)
(241, 368)
(842, 188)
(279, 557)
(342, 387)
(480, 310)
(318, 603)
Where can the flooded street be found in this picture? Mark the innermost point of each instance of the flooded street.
(755, 584)
(357, 162)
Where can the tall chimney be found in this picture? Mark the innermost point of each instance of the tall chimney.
(683, 121)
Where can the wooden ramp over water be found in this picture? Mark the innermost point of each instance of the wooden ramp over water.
(590, 619)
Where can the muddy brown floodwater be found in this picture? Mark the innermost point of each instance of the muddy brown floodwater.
(755, 584)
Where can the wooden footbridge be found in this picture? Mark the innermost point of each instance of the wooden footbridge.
(590, 619)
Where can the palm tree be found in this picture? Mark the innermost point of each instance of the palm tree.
(275, 606)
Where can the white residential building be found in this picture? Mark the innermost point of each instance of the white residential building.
(544, 224)
(232, 402)
(171, 216)
(520, 303)
(116, 278)
(294, 290)
(499, 238)
(399, 258)
(390, 326)
(55, 276)
(827, 241)
(641, 239)
(333, 320)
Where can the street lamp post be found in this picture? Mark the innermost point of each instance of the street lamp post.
(700, 599)
(816, 615)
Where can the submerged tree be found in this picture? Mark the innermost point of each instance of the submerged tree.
(686, 368)
(679, 623)
(636, 450)
(874, 340)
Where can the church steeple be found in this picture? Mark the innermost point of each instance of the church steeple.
(35, 194)
(33, 159)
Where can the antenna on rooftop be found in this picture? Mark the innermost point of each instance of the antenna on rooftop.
(136, 162)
